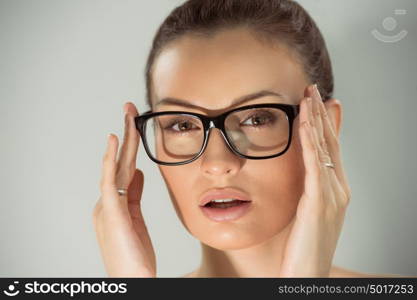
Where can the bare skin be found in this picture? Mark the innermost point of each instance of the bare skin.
(300, 205)
(335, 272)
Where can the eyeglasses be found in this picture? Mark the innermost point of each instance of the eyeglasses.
(258, 131)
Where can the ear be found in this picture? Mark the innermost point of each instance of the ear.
(335, 113)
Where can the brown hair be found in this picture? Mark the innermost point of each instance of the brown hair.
(272, 20)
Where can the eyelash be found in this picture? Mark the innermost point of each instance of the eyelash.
(175, 122)
(261, 112)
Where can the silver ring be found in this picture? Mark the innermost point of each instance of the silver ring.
(122, 192)
(330, 165)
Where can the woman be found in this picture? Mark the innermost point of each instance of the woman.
(277, 168)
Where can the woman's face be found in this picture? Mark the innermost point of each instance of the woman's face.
(210, 73)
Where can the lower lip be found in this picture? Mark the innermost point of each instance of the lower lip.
(226, 214)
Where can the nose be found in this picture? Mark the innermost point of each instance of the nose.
(218, 159)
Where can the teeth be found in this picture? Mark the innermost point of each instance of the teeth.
(222, 200)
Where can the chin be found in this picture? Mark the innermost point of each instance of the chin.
(233, 236)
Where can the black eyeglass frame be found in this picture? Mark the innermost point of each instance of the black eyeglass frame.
(216, 122)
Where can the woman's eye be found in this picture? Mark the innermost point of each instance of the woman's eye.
(181, 126)
(258, 120)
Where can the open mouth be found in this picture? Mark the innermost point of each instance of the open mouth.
(226, 204)
(227, 210)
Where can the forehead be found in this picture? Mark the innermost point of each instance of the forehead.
(211, 72)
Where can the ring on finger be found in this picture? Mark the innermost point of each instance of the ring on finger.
(122, 192)
(327, 161)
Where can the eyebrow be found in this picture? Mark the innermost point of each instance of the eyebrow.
(235, 102)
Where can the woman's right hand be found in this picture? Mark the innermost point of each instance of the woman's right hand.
(125, 245)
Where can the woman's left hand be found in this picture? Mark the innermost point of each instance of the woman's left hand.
(316, 227)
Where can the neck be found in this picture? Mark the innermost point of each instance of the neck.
(261, 260)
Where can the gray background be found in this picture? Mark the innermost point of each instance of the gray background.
(67, 68)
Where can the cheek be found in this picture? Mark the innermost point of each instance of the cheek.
(278, 184)
(179, 180)
(280, 179)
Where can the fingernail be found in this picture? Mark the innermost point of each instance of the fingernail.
(317, 90)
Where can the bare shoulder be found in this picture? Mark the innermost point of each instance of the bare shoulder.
(337, 271)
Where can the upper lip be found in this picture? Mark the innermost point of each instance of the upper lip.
(223, 193)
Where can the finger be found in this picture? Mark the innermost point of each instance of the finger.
(109, 165)
(136, 188)
(311, 119)
(126, 164)
(315, 95)
(134, 203)
(314, 122)
(325, 153)
(310, 152)
(327, 181)
(134, 206)
(333, 147)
